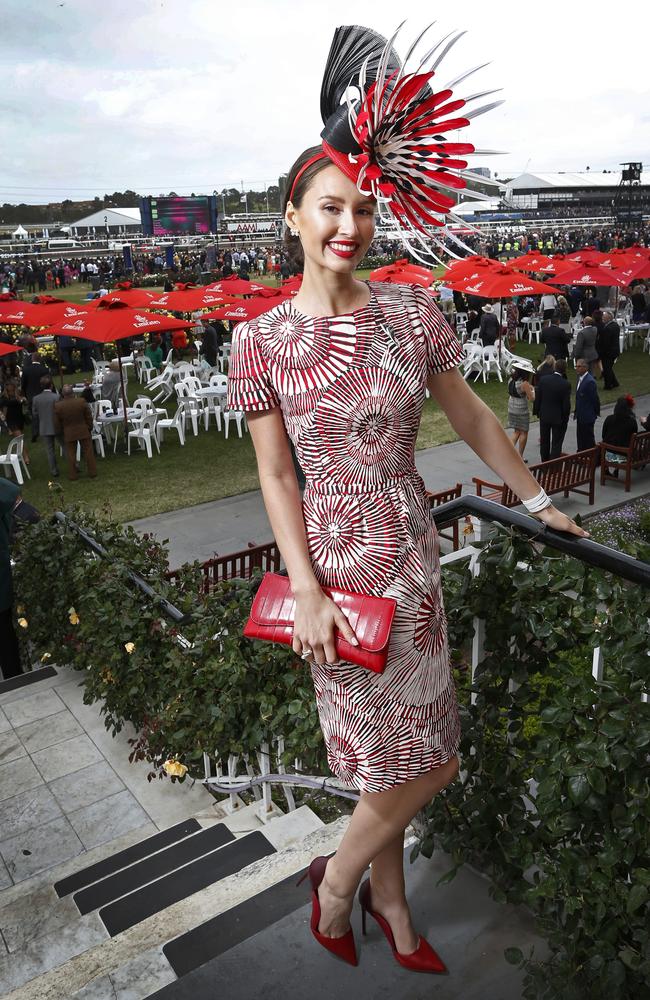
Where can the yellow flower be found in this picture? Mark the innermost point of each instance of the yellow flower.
(46, 656)
(23, 622)
(129, 646)
(174, 768)
(73, 616)
(20, 610)
(50, 484)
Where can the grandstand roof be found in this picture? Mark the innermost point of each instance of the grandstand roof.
(114, 217)
(566, 179)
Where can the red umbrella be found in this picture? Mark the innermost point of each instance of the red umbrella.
(399, 265)
(248, 309)
(187, 298)
(292, 284)
(637, 270)
(470, 265)
(235, 285)
(586, 253)
(589, 273)
(41, 314)
(124, 292)
(402, 276)
(113, 322)
(500, 283)
(530, 261)
(557, 265)
(9, 348)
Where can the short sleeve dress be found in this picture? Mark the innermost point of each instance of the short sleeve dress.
(351, 390)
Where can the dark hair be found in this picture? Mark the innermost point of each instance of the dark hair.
(622, 407)
(560, 366)
(293, 246)
(46, 382)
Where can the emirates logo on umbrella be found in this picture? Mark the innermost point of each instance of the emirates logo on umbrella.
(77, 325)
(140, 321)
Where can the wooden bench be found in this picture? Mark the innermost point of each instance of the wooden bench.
(436, 500)
(566, 474)
(636, 455)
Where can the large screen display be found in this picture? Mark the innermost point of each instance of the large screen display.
(179, 216)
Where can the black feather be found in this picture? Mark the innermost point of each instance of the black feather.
(350, 48)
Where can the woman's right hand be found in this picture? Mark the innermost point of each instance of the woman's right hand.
(316, 617)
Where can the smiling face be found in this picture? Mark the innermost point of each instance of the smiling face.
(336, 222)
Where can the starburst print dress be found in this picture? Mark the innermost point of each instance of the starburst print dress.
(351, 390)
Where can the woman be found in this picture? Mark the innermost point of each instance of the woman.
(341, 371)
(563, 314)
(11, 408)
(619, 427)
(520, 393)
(490, 328)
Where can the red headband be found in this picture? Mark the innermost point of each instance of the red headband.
(312, 159)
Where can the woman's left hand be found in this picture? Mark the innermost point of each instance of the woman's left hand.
(555, 519)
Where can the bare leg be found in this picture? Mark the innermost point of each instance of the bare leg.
(523, 438)
(388, 894)
(377, 821)
(515, 437)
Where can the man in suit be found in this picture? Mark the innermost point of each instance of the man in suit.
(608, 346)
(556, 340)
(553, 407)
(72, 418)
(43, 420)
(33, 371)
(587, 407)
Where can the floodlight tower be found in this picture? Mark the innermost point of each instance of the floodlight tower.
(627, 190)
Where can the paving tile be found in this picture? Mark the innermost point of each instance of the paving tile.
(40, 848)
(133, 981)
(18, 776)
(27, 810)
(107, 819)
(46, 732)
(5, 725)
(36, 915)
(10, 747)
(33, 706)
(5, 877)
(49, 952)
(66, 757)
(82, 788)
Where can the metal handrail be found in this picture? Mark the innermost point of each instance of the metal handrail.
(166, 606)
(584, 549)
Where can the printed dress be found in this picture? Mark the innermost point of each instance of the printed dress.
(351, 390)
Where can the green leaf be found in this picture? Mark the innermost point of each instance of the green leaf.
(578, 788)
(514, 956)
(637, 896)
(596, 779)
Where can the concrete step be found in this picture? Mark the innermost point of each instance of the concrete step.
(64, 953)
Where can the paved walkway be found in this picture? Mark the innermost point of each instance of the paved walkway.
(228, 525)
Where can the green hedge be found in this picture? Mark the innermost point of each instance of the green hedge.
(581, 862)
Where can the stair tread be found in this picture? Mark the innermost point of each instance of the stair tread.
(31, 677)
(128, 856)
(227, 929)
(142, 903)
(157, 865)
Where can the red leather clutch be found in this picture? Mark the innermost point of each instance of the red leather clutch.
(272, 616)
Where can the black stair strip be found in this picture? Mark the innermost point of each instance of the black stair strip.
(142, 903)
(220, 933)
(151, 868)
(86, 876)
(22, 680)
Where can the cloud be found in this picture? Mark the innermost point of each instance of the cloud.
(196, 94)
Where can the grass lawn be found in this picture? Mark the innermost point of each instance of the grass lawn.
(209, 467)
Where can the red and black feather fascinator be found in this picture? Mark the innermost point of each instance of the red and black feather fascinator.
(385, 129)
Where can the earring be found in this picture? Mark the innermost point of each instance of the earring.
(295, 232)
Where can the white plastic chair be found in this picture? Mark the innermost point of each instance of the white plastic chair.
(13, 459)
(236, 415)
(144, 434)
(146, 370)
(219, 381)
(533, 329)
(490, 359)
(177, 423)
(163, 385)
(192, 410)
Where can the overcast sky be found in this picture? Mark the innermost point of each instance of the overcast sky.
(196, 95)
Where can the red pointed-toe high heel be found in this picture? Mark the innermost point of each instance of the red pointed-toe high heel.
(343, 947)
(423, 959)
